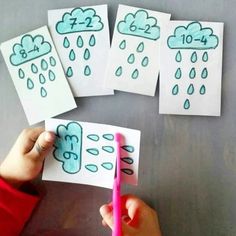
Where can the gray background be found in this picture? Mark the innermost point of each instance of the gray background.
(188, 163)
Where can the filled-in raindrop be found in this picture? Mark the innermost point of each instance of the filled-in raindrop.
(140, 47)
(30, 84)
(122, 44)
(93, 137)
(190, 89)
(109, 149)
(92, 41)
(87, 70)
(131, 58)
(34, 68)
(86, 54)
(204, 73)
(80, 42)
(135, 74)
(93, 151)
(69, 72)
(109, 137)
(194, 57)
(127, 171)
(107, 165)
(202, 90)
(66, 42)
(127, 160)
(128, 148)
(72, 55)
(145, 61)
(178, 56)
(43, 92)
(186, 104)
(42, 79)
(118, 71)
(44, 64)
(91, 167)
(192, 73)
(51, 75)
(205, 57)
(178, 73)
(52, 61)
(21, 74)
(175, 89)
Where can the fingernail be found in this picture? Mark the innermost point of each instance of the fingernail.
(49, 136)
(104, 210)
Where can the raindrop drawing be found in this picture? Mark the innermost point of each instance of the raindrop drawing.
(175, 89)
(93, 137)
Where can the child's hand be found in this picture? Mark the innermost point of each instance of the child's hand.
(138, 218)
(25, 160)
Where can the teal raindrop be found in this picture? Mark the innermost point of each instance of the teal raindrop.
(131, 58)
(186, 104)
(109, 137)
(43, 92)
(190, 89)
(92, 41)
(87, 70)
(178, 56)
(52, 61)
(128, 148)
(93, 137)
(194, 57)
(192, 73)
(127, 160)
(178, 73)
(34, 68)
(109, 149)
(93, 151)
(205, 57)
(66, 42)
(86, 54)
(72, 55)
(204, 73)
(42, 79)
(122, 44)
(118, 71)
(80, 42)
(107, 165)
(44, 64)
(175, 90)
(51, 75)
(69, 72)
(91, 167)
(135, 74)
(145, 61)
(21, 74)
(30, 84)
(140, 47)
(202, 90)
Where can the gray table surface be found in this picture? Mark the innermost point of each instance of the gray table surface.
(188, 163)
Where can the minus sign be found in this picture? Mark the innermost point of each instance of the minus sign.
(197, 39)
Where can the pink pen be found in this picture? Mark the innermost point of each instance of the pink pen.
(116, 190)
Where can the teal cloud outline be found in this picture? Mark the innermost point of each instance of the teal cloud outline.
(139, 24)
(199, 38)
(79, 20)
(29, 48)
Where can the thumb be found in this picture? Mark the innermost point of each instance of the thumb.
(42, 145)
(106, 212)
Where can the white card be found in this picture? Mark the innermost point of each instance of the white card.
(81, 37)
(86, 153)
(191, 68)
(134, 61)
(38, 75)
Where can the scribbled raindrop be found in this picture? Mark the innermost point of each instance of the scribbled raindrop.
(186, 104)
(34, 68)
(202, 90)
(122, 44)
(93, 151)
(21, 74)
(69, 72)
(128, 148)
(192, 73)
(127, 171)
(86, 54)
(44, 64)
(175, 90)
(91, 167)
(145, 61)
(118, 71)
(72, 55)
(42, 79)
(109, 149)
(52, 61)
(190, 89)
(43, 92)
(140, 47)
(107, 165)
(135, 74)
(194, 57)
(87, 70)
(30, 84)
(66, 42)
(127, 160)
(178, 56)
(178, 73)
(80, 42)
(93, 137)
(131, 58)
(109, 137)
(92, 41)
(204, 73)
(51, 75)
(205, 57)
